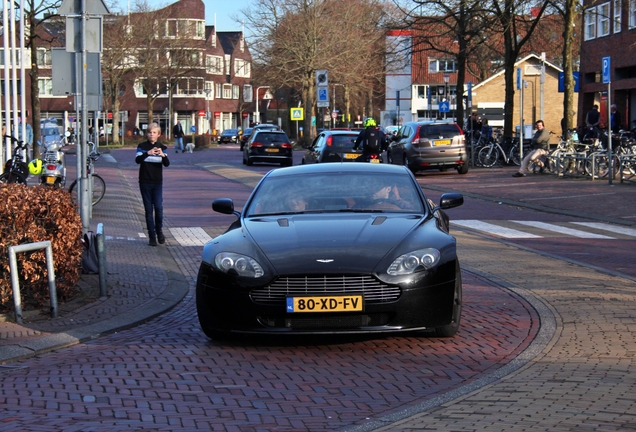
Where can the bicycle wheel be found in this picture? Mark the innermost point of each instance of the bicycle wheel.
(601, 166)
(10, 177)
(99, 189)
(488, 156)
(515, 157)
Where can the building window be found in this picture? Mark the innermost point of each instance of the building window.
(190, 86)
(236, 90)
(242, 68)
(214, 65)
(209, 90)
(219, 91)
(617, 16)
(45, 86)
(442, 65)
(247, 93)
(603, 14)
(44, 57)
(422, 92)
(590, 24)
(227, 91)
(632, 14)
(228, 64)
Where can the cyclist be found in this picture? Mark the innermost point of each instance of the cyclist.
(540, 145)
(372, 140)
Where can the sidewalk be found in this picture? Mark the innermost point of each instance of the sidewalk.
(143, 282)
(146, 281)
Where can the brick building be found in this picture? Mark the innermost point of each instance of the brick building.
(216, 95)
(609, 31)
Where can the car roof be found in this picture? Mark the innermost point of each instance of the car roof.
(340, 132)
(336, 168)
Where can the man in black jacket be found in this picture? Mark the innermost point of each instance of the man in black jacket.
(177, 131)
(152, 157)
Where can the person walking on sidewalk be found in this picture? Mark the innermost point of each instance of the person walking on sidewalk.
(177, 131)
(152, 157)
(540, 145)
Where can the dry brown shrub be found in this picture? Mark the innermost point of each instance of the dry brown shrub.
(30, 215)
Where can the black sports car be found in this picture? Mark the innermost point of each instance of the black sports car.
(332, 248)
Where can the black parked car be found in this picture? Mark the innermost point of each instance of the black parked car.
(333, 248)
(266, 145)
(229, 136)
(429, 145)
(263, 126)
(334, 146)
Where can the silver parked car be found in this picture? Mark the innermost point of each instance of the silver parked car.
(429, 145)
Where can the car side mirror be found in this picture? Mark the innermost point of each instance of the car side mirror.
(223, 205)
(450, 200)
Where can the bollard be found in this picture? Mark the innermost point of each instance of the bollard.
(101, 255)
(15, 282)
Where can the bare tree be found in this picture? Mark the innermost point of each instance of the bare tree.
(456, 28)
(294, 39)
(517, 22)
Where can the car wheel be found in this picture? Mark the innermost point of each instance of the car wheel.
(452, 328)
(443, 169)
(287, 163)
(462, 169)
(389, 158)
(249, 162)
(244, 159)
(407, 163)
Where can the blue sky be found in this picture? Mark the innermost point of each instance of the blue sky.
(222, 8)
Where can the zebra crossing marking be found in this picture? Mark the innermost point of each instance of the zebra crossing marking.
(492, 228)
(562, 230)
(607, 227)
(194, 236)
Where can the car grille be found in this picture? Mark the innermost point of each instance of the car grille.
(327, 322)
(372, 290)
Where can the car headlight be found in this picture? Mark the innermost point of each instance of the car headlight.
(237, 264)
(410, 262)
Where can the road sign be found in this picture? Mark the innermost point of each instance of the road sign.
(323, 96)
(296, 114)
(444, 107)
(193, 128)
(576, 77)
(606, 70)
(334, 114)
(322, 78)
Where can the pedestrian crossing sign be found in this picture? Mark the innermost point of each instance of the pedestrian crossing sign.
(296, 114)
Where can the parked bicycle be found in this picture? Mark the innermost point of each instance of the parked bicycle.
(494, 152)
(15, 169)
(98, 185)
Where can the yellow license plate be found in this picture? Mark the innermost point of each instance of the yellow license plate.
(351, 303)
(351, 155)
(375, 161)
(441, 142)
(271, 150)
(50, 180)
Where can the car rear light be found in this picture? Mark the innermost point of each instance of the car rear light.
(286, 145)
(51, 167)
(373, 156)
(256, 144)
(329, 141)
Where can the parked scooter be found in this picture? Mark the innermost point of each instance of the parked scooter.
(54, 163)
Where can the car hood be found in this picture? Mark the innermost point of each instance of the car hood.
(329, 243)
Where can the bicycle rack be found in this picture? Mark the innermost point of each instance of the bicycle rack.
(578, 158)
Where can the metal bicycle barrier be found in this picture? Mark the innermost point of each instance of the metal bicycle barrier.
(15, 283)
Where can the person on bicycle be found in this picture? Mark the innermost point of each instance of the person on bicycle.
(540, 145)
(371, 139)
(152, 157)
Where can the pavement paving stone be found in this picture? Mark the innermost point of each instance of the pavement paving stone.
(585, 364)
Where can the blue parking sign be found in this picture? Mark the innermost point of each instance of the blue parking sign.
(606, 70)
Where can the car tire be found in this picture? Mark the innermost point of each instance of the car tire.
(407, 163)
(463, 169)
(452, 328)
(248, 162)
(204, 314)
(389, 158)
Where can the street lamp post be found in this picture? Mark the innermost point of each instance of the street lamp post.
(208, 115)
(258, 114)
(333, 119)
(187, 115)
(446, 79)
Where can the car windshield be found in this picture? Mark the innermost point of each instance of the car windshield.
(439, 131)
(271, 138)
(230, 132)
(329, 192)
(344, 141)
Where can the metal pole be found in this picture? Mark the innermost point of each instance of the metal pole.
(83, 180)
(542, 82)
(101, 256)
(610, 173)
